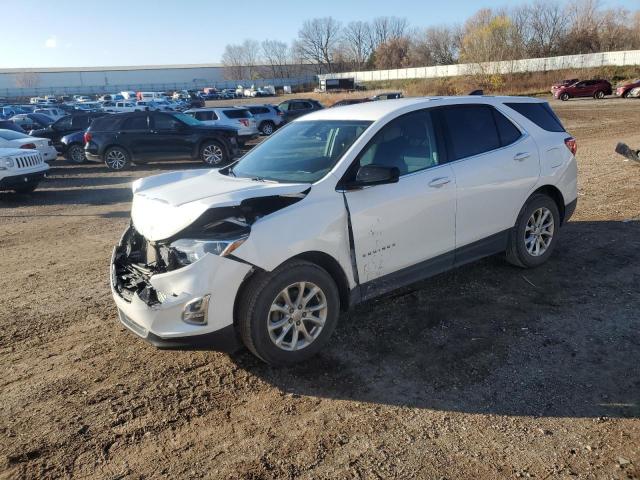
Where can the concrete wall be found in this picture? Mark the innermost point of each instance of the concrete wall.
(629, 57)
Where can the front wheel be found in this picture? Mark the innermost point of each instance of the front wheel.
(75, 153)
(267, 128)
(564, 97)
(287, 316)
(535, 234)
(116, 158)
(213, 154)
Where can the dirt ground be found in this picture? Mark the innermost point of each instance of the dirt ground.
(484, 372)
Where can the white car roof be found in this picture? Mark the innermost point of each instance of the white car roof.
(382, 108)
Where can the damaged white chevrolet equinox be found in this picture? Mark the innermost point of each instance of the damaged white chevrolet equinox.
(340, 206)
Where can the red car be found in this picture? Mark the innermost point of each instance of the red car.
(563, 83)
(624, 89)
(586, 88)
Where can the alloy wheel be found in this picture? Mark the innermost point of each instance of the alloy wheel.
(116, 159)
(212, 154)
(267, 129)
(538, 233)
(77, 154)
(297, 316)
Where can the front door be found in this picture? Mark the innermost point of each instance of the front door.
(403, 231)
(170, 138)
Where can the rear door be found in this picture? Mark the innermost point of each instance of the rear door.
(403, 231)
(136, 136)
(495, 164)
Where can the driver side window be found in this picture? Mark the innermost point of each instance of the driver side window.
(408, 143)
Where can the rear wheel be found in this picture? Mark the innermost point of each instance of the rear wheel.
(267, 128)
(599, 95)
(213, 153)
(75, 153)
(564, 97)
(287, 316)
(116, 158)
(625, 94)
(534, 237)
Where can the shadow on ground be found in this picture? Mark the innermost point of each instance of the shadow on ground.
(560, 340)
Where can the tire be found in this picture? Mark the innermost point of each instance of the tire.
(625, 94)
(75, 154)
(116, 158)
(267, 128)
(265, 318)
(26, 189)
(564, 97)
(213, 154)
(599, 95)
(521, 250)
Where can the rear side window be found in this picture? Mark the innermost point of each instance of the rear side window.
(507, 130)
(80, 122)
(239, 113)
(204, 116)
(540, 114)
(258, 110)
(472, 130)
(136, 123)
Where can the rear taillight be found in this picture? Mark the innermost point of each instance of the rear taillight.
(29, 146)
(280, 113)
(244, 122)
(87, 137)
(571, 144)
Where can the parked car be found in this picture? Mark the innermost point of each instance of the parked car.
(10, 125)
(88, 107)
(295, 108)
(21, 170)
(387, 96)
(7, 112)
(12, 139)
(213, 255)
(31, 121)
(634, 93)
(71, 123)
(563, 83)
(82, 98)
(118, 140)
(350, 101)
(268, 117)
(624, 89)
(238, 118)
(73, 147)
(125, 106)
(111, 97)
(586, 88)
(51, 112)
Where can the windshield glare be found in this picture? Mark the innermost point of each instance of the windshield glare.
(302, 151)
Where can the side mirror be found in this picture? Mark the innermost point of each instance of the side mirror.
(374, 175)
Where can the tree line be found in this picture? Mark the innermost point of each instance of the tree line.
(539, 29)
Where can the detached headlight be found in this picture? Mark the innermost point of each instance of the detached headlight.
(6, 163)
(189, 250)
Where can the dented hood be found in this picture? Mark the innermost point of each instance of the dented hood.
(165, 204)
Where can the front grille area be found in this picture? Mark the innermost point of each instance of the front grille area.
(131, 325)
(30, 160)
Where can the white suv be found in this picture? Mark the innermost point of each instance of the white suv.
(336, 208)
(21, 170)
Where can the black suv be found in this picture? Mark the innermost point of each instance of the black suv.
(141, 137)
(76, 122)
(293, 109)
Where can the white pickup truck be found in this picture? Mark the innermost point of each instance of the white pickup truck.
(122, 107)
(21, 170)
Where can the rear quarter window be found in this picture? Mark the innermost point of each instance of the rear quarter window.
(539, 113)
(237, 113)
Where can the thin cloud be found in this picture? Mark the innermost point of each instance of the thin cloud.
(51, 42)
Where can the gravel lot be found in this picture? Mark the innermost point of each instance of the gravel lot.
(484, 372)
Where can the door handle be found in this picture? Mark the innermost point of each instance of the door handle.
(521, 156)
(439, 182)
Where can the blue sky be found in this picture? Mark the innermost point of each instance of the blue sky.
(56, 33)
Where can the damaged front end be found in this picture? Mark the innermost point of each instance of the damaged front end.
(218, 231)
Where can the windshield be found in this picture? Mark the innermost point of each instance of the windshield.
(301, 151)
(11, 135)
(189, 120)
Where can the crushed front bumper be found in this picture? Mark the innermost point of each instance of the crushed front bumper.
(160, 321)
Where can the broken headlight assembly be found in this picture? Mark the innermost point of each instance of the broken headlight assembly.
(189, 250)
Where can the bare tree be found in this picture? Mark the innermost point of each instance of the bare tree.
(435, 46)
(356, 43)
(251, 57)
(277, 55)
(232, 60)
(584, 24)
(384, 29)
(393, 53)
(27, 80)
(317, 41)
(547, 25)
